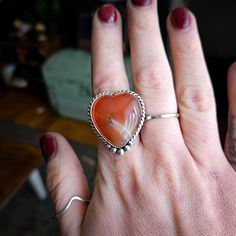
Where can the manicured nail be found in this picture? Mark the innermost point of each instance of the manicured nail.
(107, 13)
(141, 2)
(180, 18)
(48, 146)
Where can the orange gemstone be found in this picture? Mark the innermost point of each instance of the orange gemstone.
(116, 117)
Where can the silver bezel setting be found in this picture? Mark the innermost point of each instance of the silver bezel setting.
(120, 150)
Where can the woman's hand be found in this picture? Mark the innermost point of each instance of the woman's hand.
(175, 180)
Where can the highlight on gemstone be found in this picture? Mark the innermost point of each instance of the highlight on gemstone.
(116, 117)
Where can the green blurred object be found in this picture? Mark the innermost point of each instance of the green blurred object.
(67, 75)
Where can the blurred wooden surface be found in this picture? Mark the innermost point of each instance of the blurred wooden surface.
(22, 108)
(17, 159)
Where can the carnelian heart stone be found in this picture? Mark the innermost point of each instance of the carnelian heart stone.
(116, 117)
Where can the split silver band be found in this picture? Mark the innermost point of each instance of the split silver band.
(66, 208)
(161, 116)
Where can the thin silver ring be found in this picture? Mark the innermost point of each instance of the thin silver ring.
(161, 116)
(66, 208)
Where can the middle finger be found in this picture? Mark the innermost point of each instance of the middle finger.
(151, 71)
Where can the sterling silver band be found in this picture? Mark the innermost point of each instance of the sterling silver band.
(65, 209)
(161, 116)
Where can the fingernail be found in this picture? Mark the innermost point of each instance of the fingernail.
(107, 13)
(180, 18)
(141, 2)
(48, 146)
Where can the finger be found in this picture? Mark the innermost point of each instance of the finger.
(65, 178)
(151, 71)
(230, 142)
(193, 86)
(108, 71)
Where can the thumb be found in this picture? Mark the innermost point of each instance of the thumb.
(65, 178)
(230, 142)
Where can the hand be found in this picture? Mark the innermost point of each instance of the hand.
(175, 180)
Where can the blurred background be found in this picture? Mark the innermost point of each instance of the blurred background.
(45, 71)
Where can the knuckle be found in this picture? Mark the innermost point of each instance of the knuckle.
(104, 82)
(54, 184)
(127, 185)
(151, 79)
(109, 43)
(144, 26)
(190, 46)
(197, 98)
(54, 181)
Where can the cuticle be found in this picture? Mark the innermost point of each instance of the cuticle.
(140, 6)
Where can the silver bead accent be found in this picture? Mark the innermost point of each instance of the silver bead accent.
(120, 151)
(127, 148)
(108, 146)
(113, 150)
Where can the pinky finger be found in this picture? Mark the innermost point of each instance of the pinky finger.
(230, 142)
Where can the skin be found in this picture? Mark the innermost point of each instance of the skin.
(176, 179)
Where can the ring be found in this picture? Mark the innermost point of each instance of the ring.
(117, 118)
(162, 116)
(65, 209)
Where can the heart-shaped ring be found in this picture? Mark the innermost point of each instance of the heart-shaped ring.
(117, 118)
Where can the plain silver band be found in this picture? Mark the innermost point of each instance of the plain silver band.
(65, 209)
(162, 116)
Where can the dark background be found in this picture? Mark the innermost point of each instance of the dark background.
(68, 24)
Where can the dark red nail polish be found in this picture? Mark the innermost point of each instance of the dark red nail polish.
(141, 2)
(48, 146)
(180, 18)
(107, 13)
